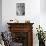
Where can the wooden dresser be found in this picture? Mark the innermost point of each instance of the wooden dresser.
(22, 33)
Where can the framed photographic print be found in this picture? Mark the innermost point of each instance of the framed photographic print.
(20, 9)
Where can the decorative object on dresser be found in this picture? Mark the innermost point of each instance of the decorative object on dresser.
(13, 21)
(22, 33)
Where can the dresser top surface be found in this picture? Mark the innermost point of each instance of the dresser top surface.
(19, 23)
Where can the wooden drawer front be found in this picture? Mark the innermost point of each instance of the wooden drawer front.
(20, 29)
(20, 26)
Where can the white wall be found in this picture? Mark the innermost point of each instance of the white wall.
(33, 13)
(43, 14)
(0, 15)
(43, 6)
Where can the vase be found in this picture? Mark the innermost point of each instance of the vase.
(41, 43)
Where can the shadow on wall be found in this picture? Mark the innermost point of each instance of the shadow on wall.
(0, 15)
(43, 6)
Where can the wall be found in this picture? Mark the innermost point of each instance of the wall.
(43, 6)
(0, 15)
(33, 13)
(32, 9)
(43, 14)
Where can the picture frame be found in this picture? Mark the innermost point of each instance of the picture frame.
(20, 9)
